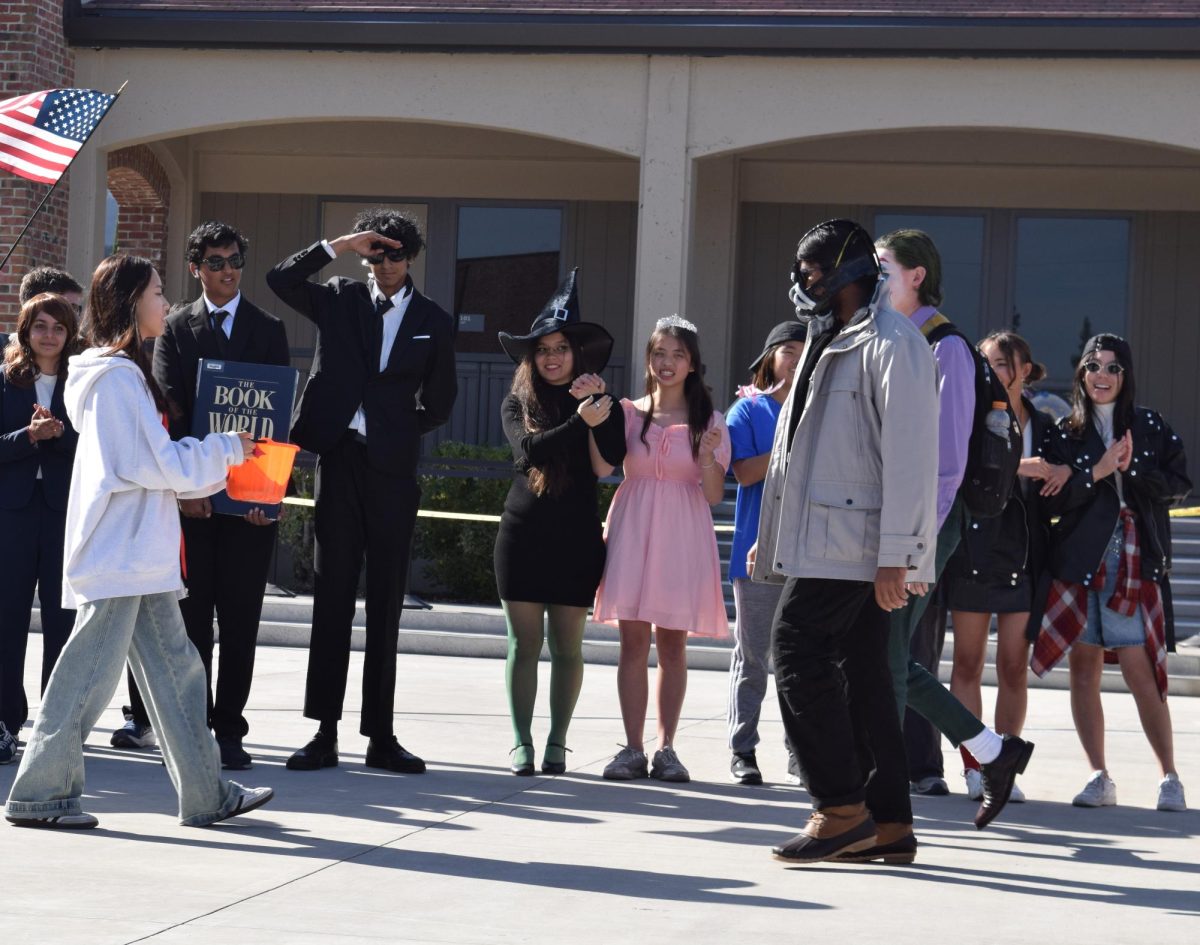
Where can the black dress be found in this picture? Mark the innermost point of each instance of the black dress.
(550, 548)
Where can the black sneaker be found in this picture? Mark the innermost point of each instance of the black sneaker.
(743, 768)
(132, 734)
(233, 756)
(8, 746)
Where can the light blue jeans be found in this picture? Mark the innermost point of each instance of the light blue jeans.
(149, 631)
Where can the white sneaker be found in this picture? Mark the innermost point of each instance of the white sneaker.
(1017, 796)
(974, 779)
(1170, 794)
(1100, 791)
(56, 822)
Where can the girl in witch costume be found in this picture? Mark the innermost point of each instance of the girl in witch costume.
(662, 570)
(549, 552)
(1110, 557)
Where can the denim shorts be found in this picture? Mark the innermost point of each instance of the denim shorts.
(1105, 627)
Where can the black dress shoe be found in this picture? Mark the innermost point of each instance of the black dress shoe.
(743, 768)
(555, 767)
(999, 776)
(522, 763)
(233, 756)
(320, 752)
(389, 754)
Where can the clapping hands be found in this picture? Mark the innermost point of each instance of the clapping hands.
(44, 425)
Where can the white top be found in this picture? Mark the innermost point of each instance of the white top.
(1102, 417)
(230, 307)
(122, 529)
(43, 393)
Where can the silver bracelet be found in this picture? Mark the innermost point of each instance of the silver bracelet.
(710, 465)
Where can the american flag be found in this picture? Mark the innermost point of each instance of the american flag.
(41, 133)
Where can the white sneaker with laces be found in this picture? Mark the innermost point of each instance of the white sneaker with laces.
(1170, 794)
(1100, 791)
(974, 779)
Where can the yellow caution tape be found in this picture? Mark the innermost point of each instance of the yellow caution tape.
(457, 516)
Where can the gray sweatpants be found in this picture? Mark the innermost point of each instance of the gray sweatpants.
(756, 605)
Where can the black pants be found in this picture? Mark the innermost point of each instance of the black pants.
(359, 511)
(31, 553)
(227, 564)
(835, 695)
(922, 740)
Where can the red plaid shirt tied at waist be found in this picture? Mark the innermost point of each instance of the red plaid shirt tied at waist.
(1066, 611)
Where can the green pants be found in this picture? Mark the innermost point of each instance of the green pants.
(914, 685)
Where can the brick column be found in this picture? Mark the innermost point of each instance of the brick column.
(139, 184)
(35, 56)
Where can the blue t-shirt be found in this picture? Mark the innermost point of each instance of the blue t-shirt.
(751, 432)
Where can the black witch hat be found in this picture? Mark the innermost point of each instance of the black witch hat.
(561, 313)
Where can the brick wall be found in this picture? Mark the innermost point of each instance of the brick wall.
(33, 56)
(139, 185)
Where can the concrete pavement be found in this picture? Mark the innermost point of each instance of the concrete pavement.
(467, 853)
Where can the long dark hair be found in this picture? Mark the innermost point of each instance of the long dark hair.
(117, 285)
(699, 400)
(542, 411)
(1082, 409)
(19, 362)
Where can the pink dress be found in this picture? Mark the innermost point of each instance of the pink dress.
(662, 565)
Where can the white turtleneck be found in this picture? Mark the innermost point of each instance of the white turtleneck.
(1102, 417)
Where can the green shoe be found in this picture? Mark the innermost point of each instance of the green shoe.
(522, 763)
(554, 760)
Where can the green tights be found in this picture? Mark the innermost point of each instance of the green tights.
(527, 624)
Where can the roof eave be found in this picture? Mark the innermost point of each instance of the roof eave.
(679, 35)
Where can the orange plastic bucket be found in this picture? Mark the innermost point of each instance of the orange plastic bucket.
(264, 476)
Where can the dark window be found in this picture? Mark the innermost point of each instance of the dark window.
(1070, 281)
(507, 266)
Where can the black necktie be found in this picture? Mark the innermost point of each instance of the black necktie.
(218, 323)
(382, 306)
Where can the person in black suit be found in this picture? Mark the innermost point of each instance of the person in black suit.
(383, 374)
(226, 557)
(37, 447)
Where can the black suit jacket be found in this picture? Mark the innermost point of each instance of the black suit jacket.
(19, 459)
(412, 395)
(257, 338)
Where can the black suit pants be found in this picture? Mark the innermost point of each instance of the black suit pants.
(31, 553)
(227, 564)
(835, 695)
(360, 511)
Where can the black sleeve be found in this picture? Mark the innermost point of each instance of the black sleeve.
(536, 448)
(168, 374)
(439, 387)
(610, 436)
(1079, 490)
(289, 280)
(1167, 484)
(14, 444)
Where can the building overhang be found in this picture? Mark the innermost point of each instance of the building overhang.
(696, 34)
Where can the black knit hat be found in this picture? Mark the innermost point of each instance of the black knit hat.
(561, 313)
(791, 330)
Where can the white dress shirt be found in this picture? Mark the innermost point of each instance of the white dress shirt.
(230, 307)
(391, 327)
(43, 386)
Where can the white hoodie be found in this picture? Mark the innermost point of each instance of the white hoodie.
(122, 534)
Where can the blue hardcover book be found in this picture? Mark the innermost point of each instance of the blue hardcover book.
(232, 396)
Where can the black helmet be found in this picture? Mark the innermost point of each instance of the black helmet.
(846, 254)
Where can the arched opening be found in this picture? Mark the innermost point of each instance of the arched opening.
(140, 187)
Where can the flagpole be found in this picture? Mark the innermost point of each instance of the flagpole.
(50, 192)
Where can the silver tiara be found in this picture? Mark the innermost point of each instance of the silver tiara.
(675, 321)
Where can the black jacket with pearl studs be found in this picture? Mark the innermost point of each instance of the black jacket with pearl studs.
(1087, 511)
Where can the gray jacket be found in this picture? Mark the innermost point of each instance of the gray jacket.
(859, 489)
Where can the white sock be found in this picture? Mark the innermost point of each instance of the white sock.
(985, 746)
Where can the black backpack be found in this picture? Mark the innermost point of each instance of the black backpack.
(992, 460)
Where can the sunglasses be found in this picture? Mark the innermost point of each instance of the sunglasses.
(1095, 367)
(380, 253)
(217, 263)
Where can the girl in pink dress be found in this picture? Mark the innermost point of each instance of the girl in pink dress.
(662, 568)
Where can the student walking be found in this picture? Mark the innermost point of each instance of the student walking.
(662, 572)
(122, 571)
(549, 552)
(1110, 557)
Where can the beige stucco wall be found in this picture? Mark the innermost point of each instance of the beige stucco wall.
(688, 138)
